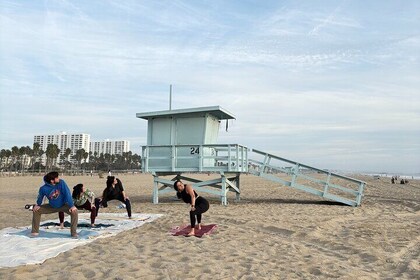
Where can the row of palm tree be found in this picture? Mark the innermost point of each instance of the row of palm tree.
(27, 159)
(18, 159)
(125, 161)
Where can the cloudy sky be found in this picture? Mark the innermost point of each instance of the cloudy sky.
(333, 84)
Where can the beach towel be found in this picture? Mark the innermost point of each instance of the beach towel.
(18, 248)
(185, 229)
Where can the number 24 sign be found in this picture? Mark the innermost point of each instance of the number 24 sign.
(195, 150)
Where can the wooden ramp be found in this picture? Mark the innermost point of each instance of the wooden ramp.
(306, 178)
(231, 160)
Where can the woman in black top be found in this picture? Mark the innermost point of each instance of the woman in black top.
(199, 204)
(115, 190)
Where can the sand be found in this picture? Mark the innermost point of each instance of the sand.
(274, 232)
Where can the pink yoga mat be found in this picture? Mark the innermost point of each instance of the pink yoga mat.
(185, 229)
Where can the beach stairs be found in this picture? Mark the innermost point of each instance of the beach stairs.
(323, 183)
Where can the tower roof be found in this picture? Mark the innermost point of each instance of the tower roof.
(216, 111)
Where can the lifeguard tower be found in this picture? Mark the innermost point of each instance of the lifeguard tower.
(185, 141)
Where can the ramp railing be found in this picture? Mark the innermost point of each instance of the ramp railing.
(306, 178)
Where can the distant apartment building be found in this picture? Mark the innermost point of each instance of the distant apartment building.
(110, 147)
(64, 141)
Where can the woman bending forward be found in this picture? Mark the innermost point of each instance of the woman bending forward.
(199, 204)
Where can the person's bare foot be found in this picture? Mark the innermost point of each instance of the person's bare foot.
(192, 232)
(61, 225)
(92, 225)
(198, 227)
(34, 234)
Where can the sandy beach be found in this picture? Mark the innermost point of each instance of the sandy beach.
(273, 232)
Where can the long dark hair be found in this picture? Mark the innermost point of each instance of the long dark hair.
(178, 194)
(119, 183)
(176, 183)
(77, 190)
(110, 181)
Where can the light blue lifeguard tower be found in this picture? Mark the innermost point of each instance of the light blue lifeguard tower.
(185, 141)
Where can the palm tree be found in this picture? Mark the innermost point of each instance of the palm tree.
(136, 161)
(38, 157)
(21, 154)
(94, 160)
(79, 156)
(85, 156)
(119, 162)
(52, 153)
(35, 151)
(90, 165)
(107, 158)
(112, 159)
(63, 162)
(8, 154)
(24, 152)
(2, 156)
(67, 153)
(15, 156)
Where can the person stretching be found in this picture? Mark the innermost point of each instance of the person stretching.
(115, 190)
(83, 198)
(199, 204)
(59, 198)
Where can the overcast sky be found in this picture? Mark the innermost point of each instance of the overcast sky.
(333, 84)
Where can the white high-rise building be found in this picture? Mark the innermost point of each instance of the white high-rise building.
(64, 141)
(110, 147)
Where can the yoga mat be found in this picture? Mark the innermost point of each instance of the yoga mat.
(185, 229)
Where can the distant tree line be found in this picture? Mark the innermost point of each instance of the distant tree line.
(26, 159)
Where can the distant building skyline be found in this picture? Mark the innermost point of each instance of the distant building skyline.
(64, 141)
(110, 147)
(77, 141)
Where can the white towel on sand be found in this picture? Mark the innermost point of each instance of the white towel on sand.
(18, 248)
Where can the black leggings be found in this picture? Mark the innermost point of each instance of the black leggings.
(86, 206)
(104, 203)
(201, 206)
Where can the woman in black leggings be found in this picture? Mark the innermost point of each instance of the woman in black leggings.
(114, 190)
(199, 204)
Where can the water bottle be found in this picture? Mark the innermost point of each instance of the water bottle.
(121, 206)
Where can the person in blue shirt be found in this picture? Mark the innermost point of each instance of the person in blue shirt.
(59, 200)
